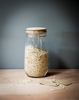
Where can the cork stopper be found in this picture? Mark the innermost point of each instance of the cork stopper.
(36, 30)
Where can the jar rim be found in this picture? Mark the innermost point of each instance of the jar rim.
(36, 35)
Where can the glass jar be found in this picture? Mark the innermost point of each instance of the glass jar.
(36, 55)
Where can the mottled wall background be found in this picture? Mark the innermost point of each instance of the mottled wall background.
(60, 17)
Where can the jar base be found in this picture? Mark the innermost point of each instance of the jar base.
(37, 76)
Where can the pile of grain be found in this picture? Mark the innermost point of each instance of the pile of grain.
(36, 61)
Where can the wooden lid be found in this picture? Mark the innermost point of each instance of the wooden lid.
(36, 30)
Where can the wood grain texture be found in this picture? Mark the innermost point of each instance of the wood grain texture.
(14, 85)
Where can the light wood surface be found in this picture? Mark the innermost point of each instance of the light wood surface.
(14, 85)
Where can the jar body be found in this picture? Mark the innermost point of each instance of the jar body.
(36, 55)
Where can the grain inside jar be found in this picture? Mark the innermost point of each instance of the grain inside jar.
(35, 61)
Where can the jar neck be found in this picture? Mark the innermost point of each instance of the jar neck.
(35, 35)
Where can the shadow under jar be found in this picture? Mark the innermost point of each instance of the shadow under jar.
(36, 55)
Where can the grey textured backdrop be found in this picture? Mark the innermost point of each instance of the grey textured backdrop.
(60, 17)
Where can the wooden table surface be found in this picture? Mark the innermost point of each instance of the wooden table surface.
(16, 85)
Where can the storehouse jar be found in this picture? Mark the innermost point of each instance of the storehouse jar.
(36, 55)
